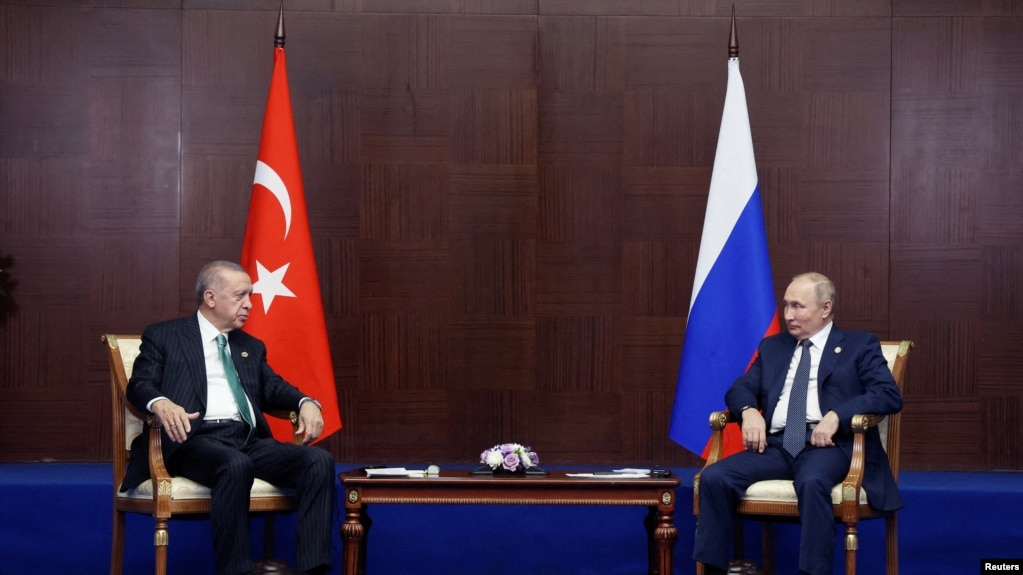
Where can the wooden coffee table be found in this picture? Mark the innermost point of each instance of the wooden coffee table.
(556, 488)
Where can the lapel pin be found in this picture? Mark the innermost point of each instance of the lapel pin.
(245, 354)
(837, 350)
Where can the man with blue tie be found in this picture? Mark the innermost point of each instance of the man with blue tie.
(795, 406)
(207, 384)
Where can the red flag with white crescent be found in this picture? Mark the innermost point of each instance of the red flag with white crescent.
(287, 309)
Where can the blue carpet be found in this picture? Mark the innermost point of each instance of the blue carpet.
(56, 518)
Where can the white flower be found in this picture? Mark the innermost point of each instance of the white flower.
(494, 458)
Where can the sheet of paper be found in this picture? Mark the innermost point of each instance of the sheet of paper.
(606, 475)
(395, 472)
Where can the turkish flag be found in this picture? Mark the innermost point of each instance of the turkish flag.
(287, 310)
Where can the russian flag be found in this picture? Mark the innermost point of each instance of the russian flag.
(733, 305)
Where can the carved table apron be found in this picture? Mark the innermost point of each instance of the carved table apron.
(556, 488)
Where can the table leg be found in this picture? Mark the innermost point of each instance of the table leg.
(354, 534)
(661, 535)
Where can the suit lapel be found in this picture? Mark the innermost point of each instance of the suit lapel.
(192, 346)
(829, 356)
(778, 370)
(241, 356)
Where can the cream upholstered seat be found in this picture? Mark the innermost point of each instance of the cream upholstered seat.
(174, 496)
(783, 490)
(775, 500)
(184, 488)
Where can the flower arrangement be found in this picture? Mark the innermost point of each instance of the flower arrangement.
(511, 457)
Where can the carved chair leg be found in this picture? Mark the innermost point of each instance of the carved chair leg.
(851, 545)
(117, 545)
(160, 541)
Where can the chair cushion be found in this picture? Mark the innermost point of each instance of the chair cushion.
(784, 490)
(182, 488)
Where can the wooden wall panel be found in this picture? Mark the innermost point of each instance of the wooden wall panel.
(506, 201)
(956, 222)
(493, 277)
(489, 353)
(88, 209)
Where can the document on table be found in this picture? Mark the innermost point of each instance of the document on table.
(395, 472)
(627, 473)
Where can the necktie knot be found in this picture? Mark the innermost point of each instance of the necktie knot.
(221, 341)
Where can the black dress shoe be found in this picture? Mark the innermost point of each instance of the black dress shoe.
(271, 567)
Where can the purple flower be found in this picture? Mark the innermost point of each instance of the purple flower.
(511, 461)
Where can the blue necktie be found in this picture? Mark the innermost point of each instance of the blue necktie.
(234, 383)
(794, 438)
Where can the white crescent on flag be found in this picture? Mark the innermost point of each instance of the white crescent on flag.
(268, 178)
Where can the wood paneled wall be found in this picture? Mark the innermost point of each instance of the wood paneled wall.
(506, 200)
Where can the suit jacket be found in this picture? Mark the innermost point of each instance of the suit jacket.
(171, 364)
(853, 378)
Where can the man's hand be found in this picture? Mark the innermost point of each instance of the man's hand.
(173, 419)
(310, 422)
(825, 430)
(754, 430)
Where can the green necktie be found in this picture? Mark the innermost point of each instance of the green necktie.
(234, 383)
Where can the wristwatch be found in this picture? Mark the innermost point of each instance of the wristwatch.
(316, 403)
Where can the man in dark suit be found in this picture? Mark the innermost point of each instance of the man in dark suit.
(847, 375)
(217, 435)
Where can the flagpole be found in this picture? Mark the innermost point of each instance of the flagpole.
(279, 34)
(733, 37)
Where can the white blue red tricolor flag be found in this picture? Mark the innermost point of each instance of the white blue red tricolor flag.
(733, 305)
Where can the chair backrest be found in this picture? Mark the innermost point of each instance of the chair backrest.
(127, 421)
(896, 354)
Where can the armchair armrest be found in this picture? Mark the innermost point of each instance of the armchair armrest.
(718, 421)
(853, 481)
(291, 416)
(158, 472)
